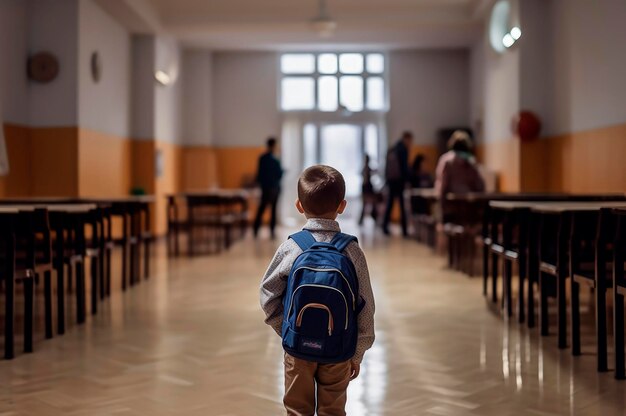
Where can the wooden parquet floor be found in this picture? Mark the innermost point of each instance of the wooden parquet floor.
(191, 341)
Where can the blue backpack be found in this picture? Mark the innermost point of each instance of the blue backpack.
(322, 301)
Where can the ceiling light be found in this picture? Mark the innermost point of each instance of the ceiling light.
(323, 24)
(516, 33)
(162, 77)
(508, 40)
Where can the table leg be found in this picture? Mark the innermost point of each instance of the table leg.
(562, 273)
(47, 282)
(59, 266)
(9, 316)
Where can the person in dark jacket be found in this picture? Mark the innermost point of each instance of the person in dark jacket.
(269, 175)
(398, 175)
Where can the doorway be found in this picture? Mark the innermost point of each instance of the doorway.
(343, 145)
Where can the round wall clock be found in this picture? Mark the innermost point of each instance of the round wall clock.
(502, 33)
(96, 67)
(43, 67)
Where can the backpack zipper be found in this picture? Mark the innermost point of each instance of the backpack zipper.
(332, 270)
(316, 306)
(322, 286)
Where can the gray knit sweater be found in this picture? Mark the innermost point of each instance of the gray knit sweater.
(275, 282)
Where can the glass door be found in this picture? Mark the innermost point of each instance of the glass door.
(342, 146)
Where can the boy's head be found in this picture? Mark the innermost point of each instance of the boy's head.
(321, 192)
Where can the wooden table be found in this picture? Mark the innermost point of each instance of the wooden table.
(506, 212)
(231, 210)
(134, 212)
(555, 221)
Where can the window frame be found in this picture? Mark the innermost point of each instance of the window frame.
(316, 75)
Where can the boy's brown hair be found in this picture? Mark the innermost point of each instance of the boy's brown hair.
(321, 189)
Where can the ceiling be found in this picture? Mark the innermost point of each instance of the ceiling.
(285, 24)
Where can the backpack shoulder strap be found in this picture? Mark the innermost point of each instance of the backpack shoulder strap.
(341, 241)
(304, 239)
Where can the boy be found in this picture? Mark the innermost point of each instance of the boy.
(321, 192)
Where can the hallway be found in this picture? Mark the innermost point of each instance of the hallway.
(191, 341)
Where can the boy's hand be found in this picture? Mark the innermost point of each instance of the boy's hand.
(355, 369)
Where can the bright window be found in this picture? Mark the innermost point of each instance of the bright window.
(327, 98)
(351, 90)
(375, 63)
(351, 63)
(331, 82)
(300, 63)
(298, 93)
(375, 93)
(327, 63)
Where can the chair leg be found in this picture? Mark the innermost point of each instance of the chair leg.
(47, 282)
(146, 261)
(485, 268)
(494, 278)
(108, 272)
(101, 274)
(94, 285)
(561, 311)
(543, 305)
(9, 315)
(80, 292)
(530, 308)
(507, 279)
(60, 270)
(601, 332)
(124, 265)
(618, 334)
(575, 313)
(29, 294)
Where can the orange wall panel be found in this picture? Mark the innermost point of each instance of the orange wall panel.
(199, 168)
(17, 183)
(590, 161)
(502, 157)
(237, 164)
(104, 164)
(54, 161)
(143, 165)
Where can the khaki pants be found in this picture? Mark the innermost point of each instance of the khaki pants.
(300, 379)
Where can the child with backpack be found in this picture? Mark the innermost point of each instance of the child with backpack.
(317, 296)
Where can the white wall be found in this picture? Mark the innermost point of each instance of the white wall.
(589, 64)
(103, 106)
(502, 100)
(13, 53)
(536, 87)
(197, 79)
(568, 67)
(142, 87)
(53, 27)
(429, 90)
(245, 103)
(168, 99)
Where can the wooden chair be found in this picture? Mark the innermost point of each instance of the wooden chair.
(590, 250)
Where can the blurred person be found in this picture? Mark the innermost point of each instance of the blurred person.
(368, 194)
(457, 171)
(398, 175)
(269, 174)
